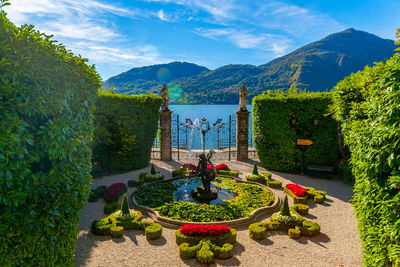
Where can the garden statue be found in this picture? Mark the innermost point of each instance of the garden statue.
(243, 98)
(164, 95)
(205, 192)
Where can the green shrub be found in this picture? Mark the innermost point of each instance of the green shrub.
(296, 199)
(275, 135)
(114, 198)
(134, 183)
(319, 198)
(153, 231)
(205, 251)
(228, 173)
(219, 240)
(111, 207)
(93, 196)
(301, 208)
(255, 169)
(46, 103)
(270, 182)
(153, 177)
(126, 126)
(310, 228)
(101, 226)
(258, 231)
(205, 255)
(125, 205)
(255, 178)
(317, 195)
(285, 221)
(188, 252)
(294, 233)
(116, 231)
(176, 173)
(285, 207)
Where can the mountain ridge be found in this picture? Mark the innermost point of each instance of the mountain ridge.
(317, 66)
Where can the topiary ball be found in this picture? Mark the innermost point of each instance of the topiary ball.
(319, 198)
(117, 231)
(294, 233)
(153, 231)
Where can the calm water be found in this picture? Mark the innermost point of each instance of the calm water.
(217, 137)
(186, 185)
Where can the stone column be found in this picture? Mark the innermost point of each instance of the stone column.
(242, 134)
(165, 138)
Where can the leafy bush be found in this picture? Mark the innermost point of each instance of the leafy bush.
(367, 104)
(111, 207)
(126, 126)
(228, 173)
(134, 183)
(279, 119)
(114, 191)
(46, 128)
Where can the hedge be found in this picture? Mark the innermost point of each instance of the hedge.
(46, 130)
(368, 105)
(275, 134)
(126, 126)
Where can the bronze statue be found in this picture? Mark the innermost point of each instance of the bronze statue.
(205, 193)
(164, 95)
(243, 98)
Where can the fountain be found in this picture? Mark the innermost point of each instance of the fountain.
(204, 192)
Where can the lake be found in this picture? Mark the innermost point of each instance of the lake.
(218, 135)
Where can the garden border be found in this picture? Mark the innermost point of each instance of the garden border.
(242, 222)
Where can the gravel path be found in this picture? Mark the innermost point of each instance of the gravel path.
(337, 245)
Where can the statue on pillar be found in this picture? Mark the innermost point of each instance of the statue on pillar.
(243, 98)
(164, 95)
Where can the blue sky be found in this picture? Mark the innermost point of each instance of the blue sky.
(118, 35)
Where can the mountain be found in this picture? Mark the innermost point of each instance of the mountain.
(141, 80)
(317, 66)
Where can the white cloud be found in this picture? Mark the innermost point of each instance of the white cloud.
(247, 40)
(161, 15)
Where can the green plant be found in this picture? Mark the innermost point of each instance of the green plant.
(294, 233)
(285, 207)
(125, 205)
(153, 231)
(279, 119)
(205, 251)
(119, 144)
(111, 207)
(176, 173)
(134, 183)
(301, 208)
(46, 106)
(228, 173)
(153, 170)
(257, 231)
(255, 170)
(116, 231)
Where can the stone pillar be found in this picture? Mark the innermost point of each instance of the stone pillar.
(165, 138)
(242, 134)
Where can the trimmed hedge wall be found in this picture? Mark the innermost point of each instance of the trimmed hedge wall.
(368, 105)
(46, 129)
(126, 126)
(275, 135)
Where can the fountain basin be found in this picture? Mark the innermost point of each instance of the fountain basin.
(254, 211)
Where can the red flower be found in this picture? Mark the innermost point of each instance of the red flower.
(222, 166)
(204, 229)
(209, 167)
(297, 190)
(189, 166)
(114, 189)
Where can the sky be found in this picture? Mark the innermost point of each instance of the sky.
(119, 35)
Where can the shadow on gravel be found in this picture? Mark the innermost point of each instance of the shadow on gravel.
(320, 240)
(84, 245)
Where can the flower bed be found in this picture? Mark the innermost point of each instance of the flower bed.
(222, 166)
(205, 242)
(188, 166)
(249, 198)
(204, 230)
(114, 191)
(297, 190)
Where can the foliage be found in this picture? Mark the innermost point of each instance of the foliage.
(255, 170)
(111, 207)
(114, 191)
(125, 130)
(297, 190)
(46, 129)
(220, 240)
(368, 105)
(134, 183)
(204, 229)
(285, 207)
(279, 119)
(205, 251)
(160, 197)
(153, 170)
(125, 205)
(317, 66)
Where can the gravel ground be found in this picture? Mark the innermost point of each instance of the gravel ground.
(338, 244)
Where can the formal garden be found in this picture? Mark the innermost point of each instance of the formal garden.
(78, 186)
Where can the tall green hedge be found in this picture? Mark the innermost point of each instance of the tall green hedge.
(368, 105)
(275, 134)
(46, 128)
(126, 126)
